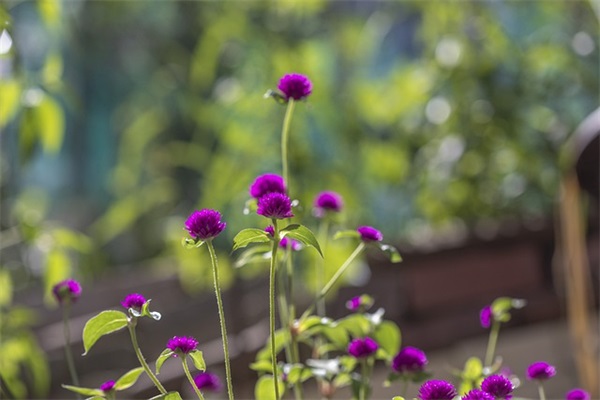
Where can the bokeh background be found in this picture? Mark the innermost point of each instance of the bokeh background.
(450, 126)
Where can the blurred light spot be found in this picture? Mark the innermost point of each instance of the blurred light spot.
(32, 97)
(5, 42)
(227, 90)
(513, 185)
(482, 111)
(437, 110)
(448, 51)
(451, 148)
(582, 43)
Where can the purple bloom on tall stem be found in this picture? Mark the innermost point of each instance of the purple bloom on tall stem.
(204, 224)
(133, 300)
(577, 394)
(267, 183)
(498, 386)
(437, 390)
(182, 344)
(107, 386)
(360, 348)
(327, 202)
(485, 317)
(295, 86)
(369, 234)
(275, 205)
(477, 394)
(540, 370)
(207, 381)
(409, 359)
(67, 291)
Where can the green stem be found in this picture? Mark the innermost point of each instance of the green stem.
(404, 386)
(138, 353)
(320, 267)
(213, 259)
(492, 341)
(285, 134)
(295, 353)
(186, 369)
(334, 279)
(541, 391)
(272, 307)
(362, 394)
(68, 353)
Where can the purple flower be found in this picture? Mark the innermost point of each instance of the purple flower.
(369, 234)
(207, 381)
(360, 348)
(498, 386)
(477, 394)
(182, 344)
(205, 224)
(67, 291)
(133, 300)
(577, 394)
(540, 370)
(436, 390)
(485, 316)
(275, 205)
(267, 183)
(354, 303)
(296, 86)
(107, 386)
(409, 359)
(327, 202)
(270, 230)
(293, 244)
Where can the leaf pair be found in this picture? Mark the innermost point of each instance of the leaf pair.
(294, 231)
(195, 355)
(124, 382)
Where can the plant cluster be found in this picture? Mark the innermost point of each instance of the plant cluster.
(305, 346)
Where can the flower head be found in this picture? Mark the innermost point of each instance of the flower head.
(275, 205)
(485, 316)
(369, 234)
(267, 183)
(67, 291)
(291, 243)
(577, 394)
(477, 394)
(359, 303)
(133, 300)
(498, 386)
(205, 224)
(107, 386)
(182, 344)
(270, 230)
(437, 390)
(409, 359)
(208, 382)
(540, 370)
(360, 348)
(327, 202)
(295, 86)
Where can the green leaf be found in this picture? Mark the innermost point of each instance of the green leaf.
(190, 243)
(102, 324)
(128, 379)
(167, 396)
(346, 234)
(265, 388)
(95, 398)
(387, 335)
(473, 369)
(391, 252)
(50, 11)
(6, 288)
(262, 366)
(198, 360)
(84, 391)
(10, 93)
(337, 335)
(50, 123)
(162, 358)
(301, 234)
(147, 313)
(250, 235)
(357, 325)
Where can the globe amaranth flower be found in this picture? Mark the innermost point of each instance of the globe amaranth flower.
(477, 394)
(354, 303)
(540, 370)
(295, 86)
(291, 243)
(409, 359)
(577, 394)
(369, 234)
(133, 300)
(360, 348)
(327, 202)
(207, 381)
(498, 386)
(437, 390)
(275, 205)
(485, 316)
(204, 224)
(267, 183)
(107, 386)
(67, 291)
(182, 344)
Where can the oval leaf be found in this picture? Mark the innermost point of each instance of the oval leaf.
(387, 335)
(128, 379)
(102, 324)
(265, 388)
(162, 358)
(167, 396)
(301, 234)
(250, 235)
(84, 391)
(198, 360)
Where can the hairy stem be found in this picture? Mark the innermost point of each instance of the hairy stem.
(138, 353)
(285, 134)
(541, 391)
(492, 341)
(68, 353)
(186, 369)
(272, 306)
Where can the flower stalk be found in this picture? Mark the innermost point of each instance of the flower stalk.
(492, 341)
(186, 369)
(272, 306)
(68, 353)
(285, 134)
(131, 326)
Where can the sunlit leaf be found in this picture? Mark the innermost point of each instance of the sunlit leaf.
(84, 391)
(10, 92)
(301, 234)
(265, 388)
(167, 396)
(198, 359)
(50, 11)
(128, 379)
(166, 353)
(250, 235)
(6, 289)
(387, 335)
(102, 324)
(50, 124)
(473, 369)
